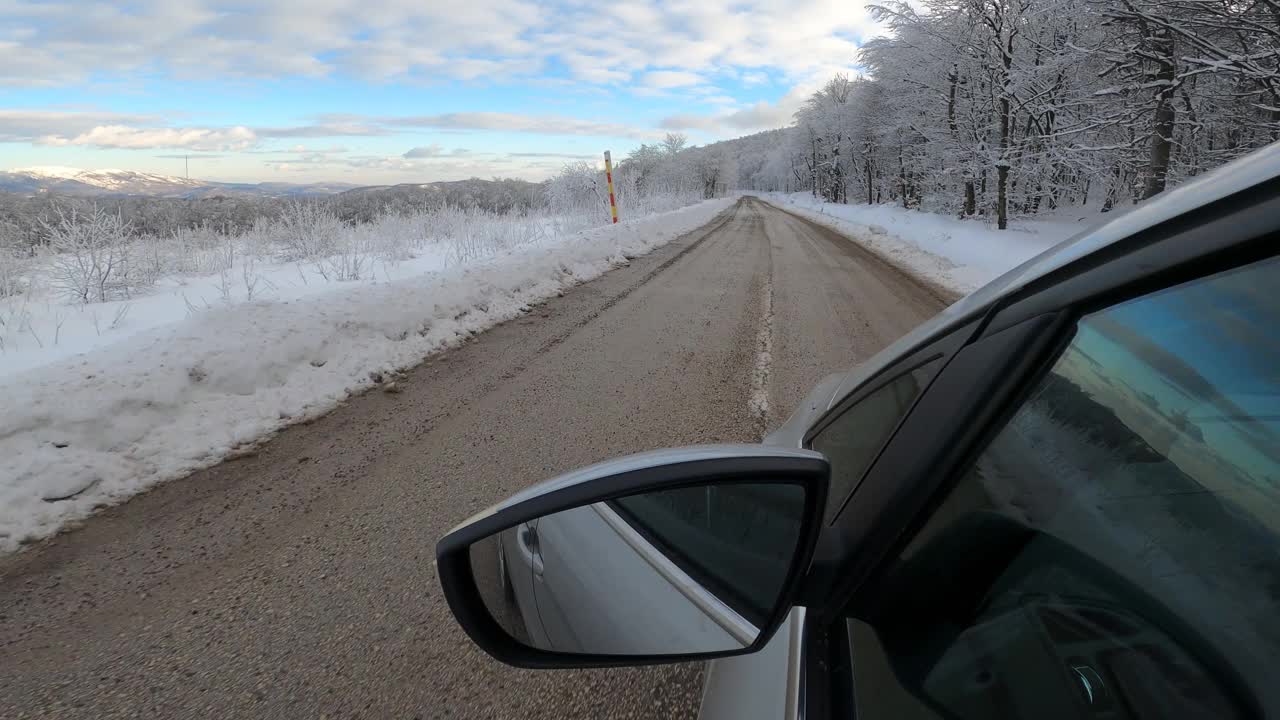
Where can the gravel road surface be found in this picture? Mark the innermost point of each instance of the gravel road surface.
(297, 582)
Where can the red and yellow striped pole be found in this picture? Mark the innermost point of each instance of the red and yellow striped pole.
(608, 174)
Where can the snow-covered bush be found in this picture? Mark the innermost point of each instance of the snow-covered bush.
(471, 234)
(93, 253)
(92, 256)
(579, 192)
(15, 261)
(307, 230)
(348, 259)
(12, 272)
(392, 237)
(202, 250)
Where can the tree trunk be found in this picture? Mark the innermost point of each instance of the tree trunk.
(813, 165)
(1006, 122)
(1002, 197)
(902, 178)
(1112, 190)
(870, 189)
(970, 201)
(1165, 114)
(1002, 169)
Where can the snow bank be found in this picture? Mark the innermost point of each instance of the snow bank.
(961, 255)
(177, 384)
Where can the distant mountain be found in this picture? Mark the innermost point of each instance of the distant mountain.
(26, 183)
(74, 181)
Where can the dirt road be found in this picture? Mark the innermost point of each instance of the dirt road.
(298, 583)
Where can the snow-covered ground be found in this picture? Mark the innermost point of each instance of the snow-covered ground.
(104, 400)
(960, 255)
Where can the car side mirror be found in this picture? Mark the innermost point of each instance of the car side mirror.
(674, 555)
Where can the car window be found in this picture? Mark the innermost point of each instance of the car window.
(1114, 551)
(852, 441)
(738, 540)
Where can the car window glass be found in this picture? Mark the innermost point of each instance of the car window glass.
(852, 441)
(1114, 551)
(738, 540)
(874, 681)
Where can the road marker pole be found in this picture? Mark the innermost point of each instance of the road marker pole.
(608, 174)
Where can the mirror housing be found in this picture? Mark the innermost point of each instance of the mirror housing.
(633, 475)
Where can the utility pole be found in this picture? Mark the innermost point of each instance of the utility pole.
(186, 164)
(608, 174)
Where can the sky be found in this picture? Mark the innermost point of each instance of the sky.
(385, 91)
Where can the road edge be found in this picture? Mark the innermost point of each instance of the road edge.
(942, 293)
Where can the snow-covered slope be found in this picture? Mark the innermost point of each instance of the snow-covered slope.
(960, 255)
(168, 383)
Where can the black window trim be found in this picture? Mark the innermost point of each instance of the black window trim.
(916, 360)
(964, 401)
(908, 368)
(881, 379)
(829, 555)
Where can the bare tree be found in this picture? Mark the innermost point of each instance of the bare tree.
(92, 260)
(674, 142)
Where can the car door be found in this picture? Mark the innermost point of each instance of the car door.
(1108, 543)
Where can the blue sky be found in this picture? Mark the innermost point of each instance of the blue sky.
(376, 91)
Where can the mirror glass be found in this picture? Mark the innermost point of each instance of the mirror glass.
(689, 570)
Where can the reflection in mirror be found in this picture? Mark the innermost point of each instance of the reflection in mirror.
(689, 570)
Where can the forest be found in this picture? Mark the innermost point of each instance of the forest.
(1011, 108)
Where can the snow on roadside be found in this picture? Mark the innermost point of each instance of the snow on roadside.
(101, 426)
(960, 255)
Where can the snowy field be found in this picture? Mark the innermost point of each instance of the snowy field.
(104, 399)
(960, 255)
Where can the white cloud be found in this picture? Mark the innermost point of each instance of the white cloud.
(63, 41)
(331, 150)
(453, 165)
(663, 79)
(516, 122)
(120, 136)
(434, 150)
(691, 51)
(691, 121)
(138, 132)
(94, 128)
(324, 129)
(428, 151)
(551, 156)
(189, 156)
(27, 125)
(759, 116)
